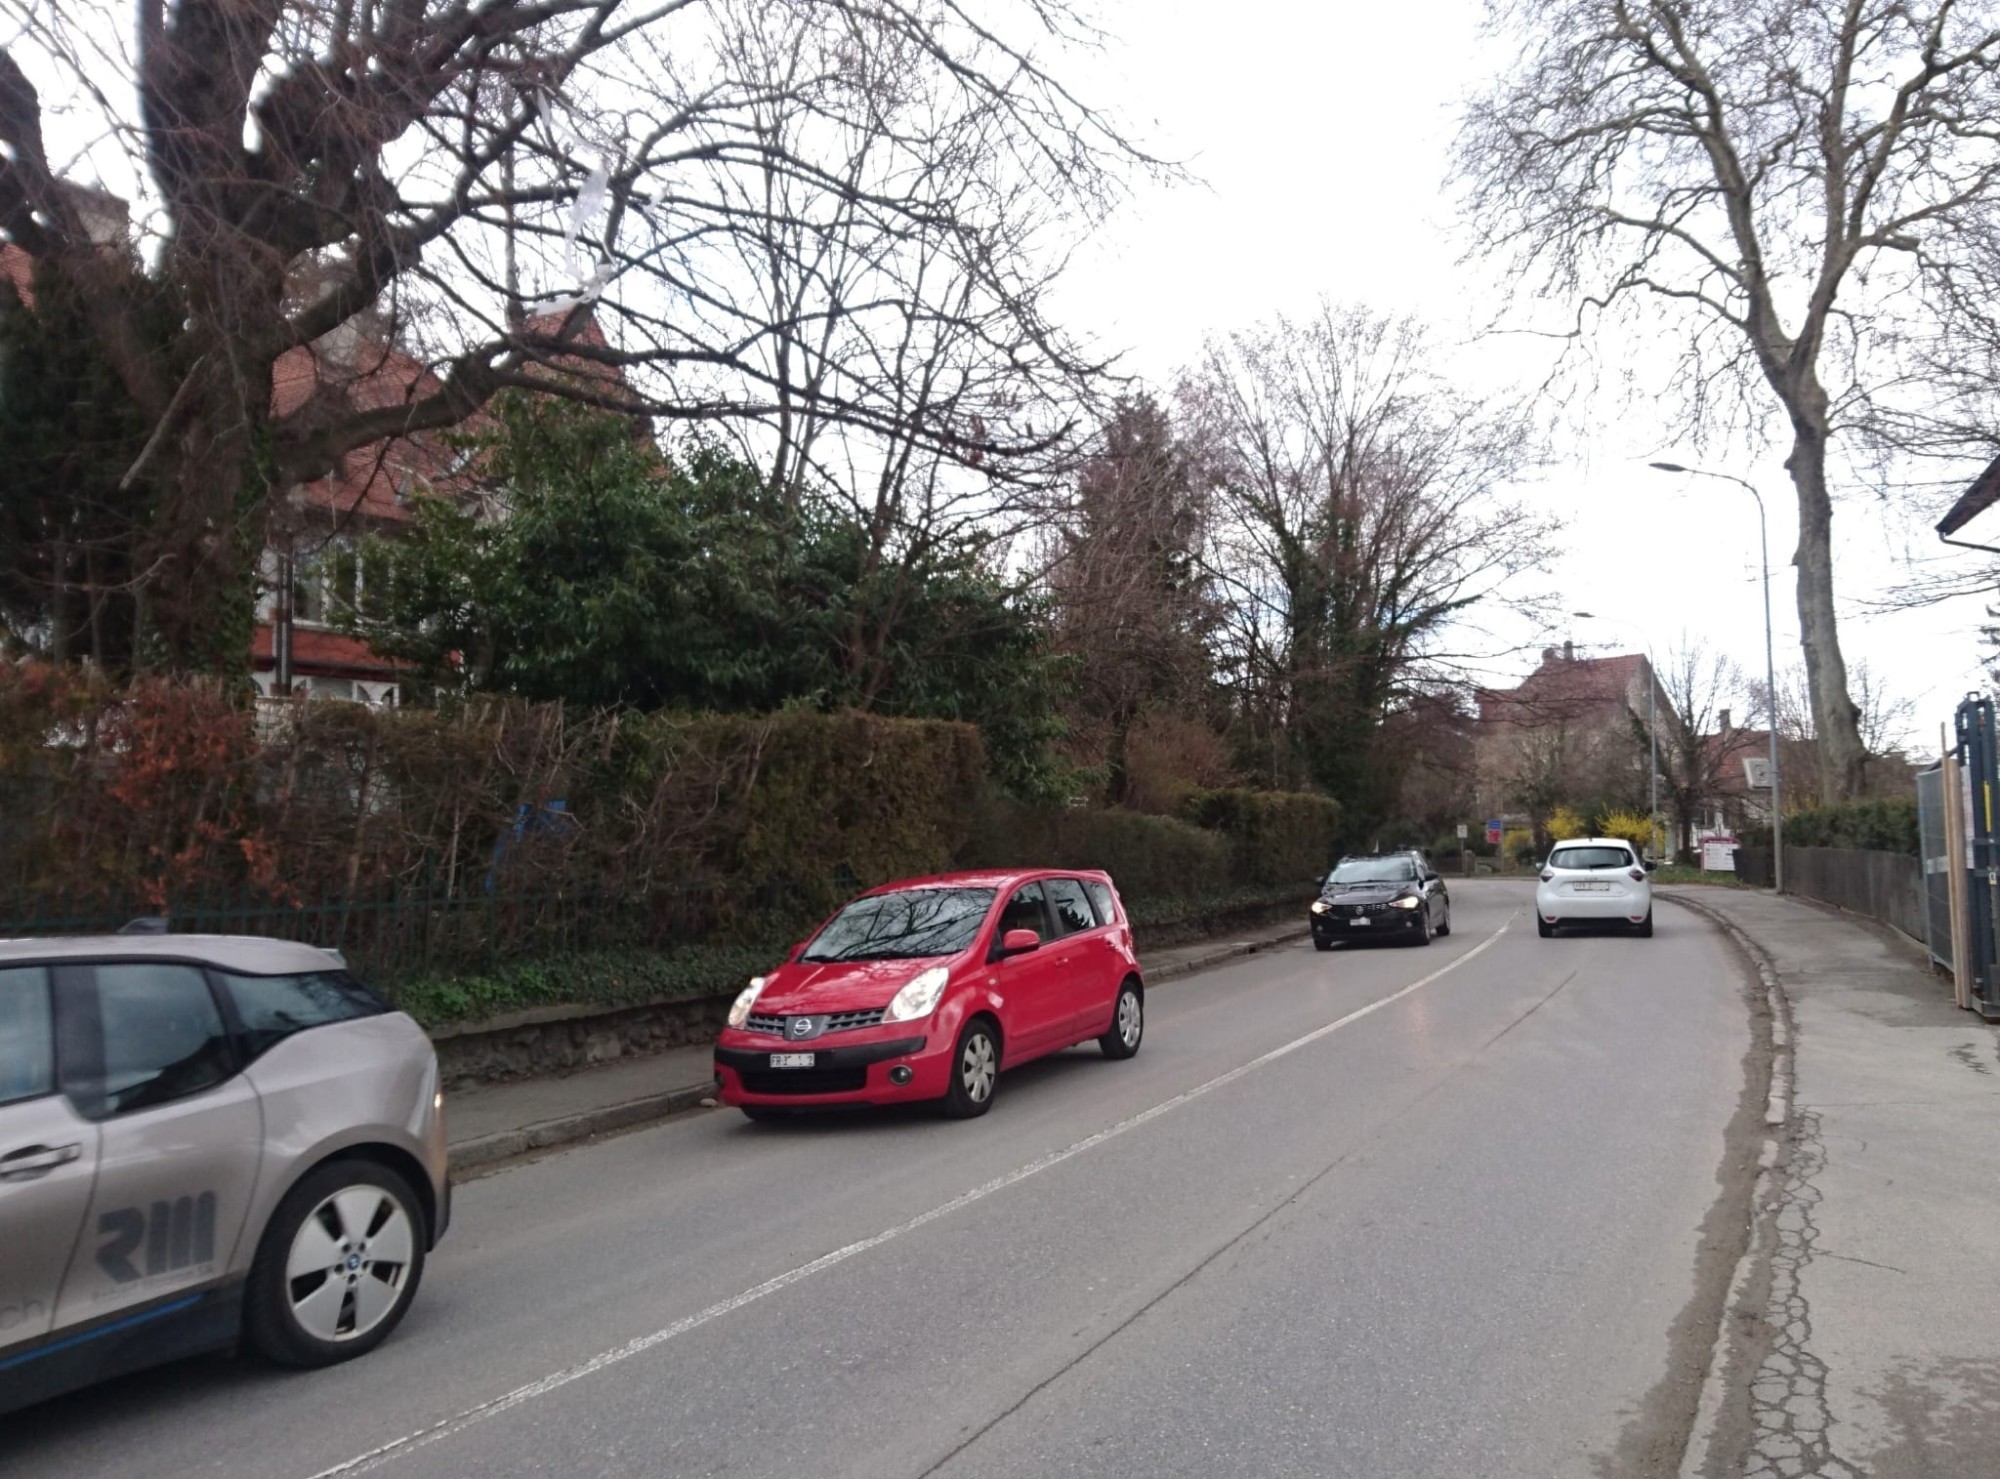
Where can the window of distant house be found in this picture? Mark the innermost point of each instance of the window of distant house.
(308, 592)
(374, 583)
(343, 580)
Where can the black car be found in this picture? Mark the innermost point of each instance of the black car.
(1393, 895)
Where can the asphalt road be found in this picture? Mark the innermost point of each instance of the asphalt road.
(1378, 1212)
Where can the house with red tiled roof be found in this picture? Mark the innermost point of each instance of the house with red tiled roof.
(18, 270)
(315, 569)
(1574, 725)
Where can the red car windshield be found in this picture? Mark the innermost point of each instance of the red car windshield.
(907, 925)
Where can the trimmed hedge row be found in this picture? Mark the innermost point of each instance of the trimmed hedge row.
(452, 853)
(1150, 857)
(1886, 824)
(1275, 837)
(1224, 842)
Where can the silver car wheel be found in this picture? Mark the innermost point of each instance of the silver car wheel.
(1130, 1020)
(976, 1068)
(350, 1262)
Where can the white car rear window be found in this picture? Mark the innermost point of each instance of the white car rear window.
(1590, 857)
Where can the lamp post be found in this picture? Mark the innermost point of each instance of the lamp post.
(1770, 666)
(1652, 720)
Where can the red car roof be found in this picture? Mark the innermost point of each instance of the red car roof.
(983, 878)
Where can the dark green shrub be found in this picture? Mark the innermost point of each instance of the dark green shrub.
(1149, 857)
(1276, 837)
(1886, 824)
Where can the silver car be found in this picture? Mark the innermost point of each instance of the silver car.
(205, 1141)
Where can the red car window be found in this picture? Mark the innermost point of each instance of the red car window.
(1026, 911)
(1072, 907)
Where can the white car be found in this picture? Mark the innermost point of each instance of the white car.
(1594, 880)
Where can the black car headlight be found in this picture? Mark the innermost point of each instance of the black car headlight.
(1320, 906)
(1407, 901)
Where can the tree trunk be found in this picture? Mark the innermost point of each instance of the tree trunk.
(1836, 721)
(213, 511)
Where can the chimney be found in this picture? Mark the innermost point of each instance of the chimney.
(1724, 721)
(1548, 654)
(1569, 652)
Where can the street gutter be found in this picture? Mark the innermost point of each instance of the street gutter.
(1740, 1236)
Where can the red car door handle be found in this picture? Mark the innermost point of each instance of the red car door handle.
(36, 1160)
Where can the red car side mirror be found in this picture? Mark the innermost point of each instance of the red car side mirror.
(1019, 942)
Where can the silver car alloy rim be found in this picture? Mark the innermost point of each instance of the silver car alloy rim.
(1129, 1019)
(975, 1067)
(349, 1263)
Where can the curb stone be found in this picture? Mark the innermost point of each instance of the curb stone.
(1766, 1198)
(1218, 956)
(502, 1145)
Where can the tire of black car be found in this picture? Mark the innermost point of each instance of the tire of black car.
(270, 1321)
(1320, 942)
(1424, 925)
(1445, 928)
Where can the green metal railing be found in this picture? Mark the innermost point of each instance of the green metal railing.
(391, 931)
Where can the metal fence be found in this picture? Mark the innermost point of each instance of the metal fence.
(1934, 842)
(1886, 886)
(391, 932)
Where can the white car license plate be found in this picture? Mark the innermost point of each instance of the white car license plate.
(792, 1060)
(1593, 888)
(1360, 920)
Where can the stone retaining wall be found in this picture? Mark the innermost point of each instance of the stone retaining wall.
(558, 1039)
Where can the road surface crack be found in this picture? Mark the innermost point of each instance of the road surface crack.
(1788, 1405)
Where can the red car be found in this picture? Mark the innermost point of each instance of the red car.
(926, 989)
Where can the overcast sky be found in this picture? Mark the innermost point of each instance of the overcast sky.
(1320, 134)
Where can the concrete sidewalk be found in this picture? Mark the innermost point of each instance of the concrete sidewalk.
(1865, 1337)
(497, 1121)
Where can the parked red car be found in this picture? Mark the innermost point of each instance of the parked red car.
(926, 989)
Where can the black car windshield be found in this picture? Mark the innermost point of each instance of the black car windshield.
(905, 925)
(1375, 870)
(1590, 857)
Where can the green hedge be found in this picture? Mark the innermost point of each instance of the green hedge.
(1224, 843)
(1150, 857)
(609, 978)
(845, 799)
(1884, 825)
(1276, 838)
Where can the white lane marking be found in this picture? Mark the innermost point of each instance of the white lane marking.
(423, 1437)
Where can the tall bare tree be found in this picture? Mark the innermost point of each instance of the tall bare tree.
(1132, 602)
(1360, 511)
(526, 182)
(1699, 749)
(1783, 177)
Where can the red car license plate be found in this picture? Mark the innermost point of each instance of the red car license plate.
(792, 1060)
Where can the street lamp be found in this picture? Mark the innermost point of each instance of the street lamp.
(1770, 667)
(1652, 719)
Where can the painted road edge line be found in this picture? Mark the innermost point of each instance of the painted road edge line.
(396, 1448)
